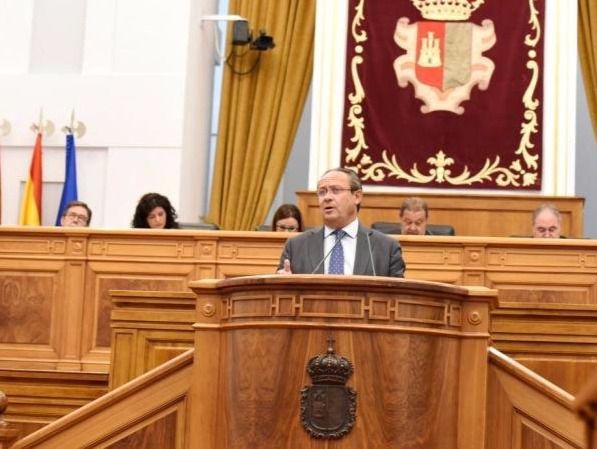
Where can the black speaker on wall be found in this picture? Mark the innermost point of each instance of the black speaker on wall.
(241, 35)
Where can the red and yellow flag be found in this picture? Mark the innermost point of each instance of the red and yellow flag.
(31, 205)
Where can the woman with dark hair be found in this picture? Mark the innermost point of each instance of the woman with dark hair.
(155, 211)
(287, 218)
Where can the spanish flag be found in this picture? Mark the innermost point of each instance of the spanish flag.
(31, 205)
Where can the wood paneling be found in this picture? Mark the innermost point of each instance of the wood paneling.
(37, 398)
(483, 215)
(160, 434)
(558, 343)
(148, 329)
(25, 313)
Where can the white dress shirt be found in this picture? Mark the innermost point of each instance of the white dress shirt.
(349, 245)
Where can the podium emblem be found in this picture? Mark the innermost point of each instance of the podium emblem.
(328, 407)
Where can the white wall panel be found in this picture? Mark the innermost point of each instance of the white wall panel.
(99, 36)
(57, 45)
(135, 171)
(151, 36)
(16, 18)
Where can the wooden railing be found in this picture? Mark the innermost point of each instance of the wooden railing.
(526, 411)
(150, 411)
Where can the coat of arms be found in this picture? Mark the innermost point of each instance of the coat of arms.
(328, 407)
(444, 58)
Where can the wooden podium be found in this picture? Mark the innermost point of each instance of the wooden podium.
(418, 349)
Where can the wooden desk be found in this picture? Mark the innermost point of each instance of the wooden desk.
(472, 214)
(55, 287)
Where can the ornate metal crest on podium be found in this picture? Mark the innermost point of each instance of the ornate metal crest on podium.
(328, 407)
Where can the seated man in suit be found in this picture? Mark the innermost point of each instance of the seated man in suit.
(342, 245)
(413, 216)
(547, 222)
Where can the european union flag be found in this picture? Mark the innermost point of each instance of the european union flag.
(69, 191)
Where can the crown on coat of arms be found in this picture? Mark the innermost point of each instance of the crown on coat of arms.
(447, 9)
(329, 368)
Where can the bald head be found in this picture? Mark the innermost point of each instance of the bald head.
(547, 222)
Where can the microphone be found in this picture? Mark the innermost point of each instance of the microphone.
(371, 252)
(328, 253)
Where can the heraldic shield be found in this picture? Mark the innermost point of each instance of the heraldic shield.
(328, 407)
(444, 55)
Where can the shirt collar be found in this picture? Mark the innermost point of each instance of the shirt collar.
(351, 229)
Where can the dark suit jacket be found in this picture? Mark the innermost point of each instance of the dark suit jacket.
(305, 252)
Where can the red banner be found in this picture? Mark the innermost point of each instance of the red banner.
(445, 94)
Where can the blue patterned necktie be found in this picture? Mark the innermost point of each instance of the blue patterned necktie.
(337, 256)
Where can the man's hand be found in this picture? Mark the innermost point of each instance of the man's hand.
(286, 269)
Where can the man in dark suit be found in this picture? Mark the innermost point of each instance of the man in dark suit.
(342, 245)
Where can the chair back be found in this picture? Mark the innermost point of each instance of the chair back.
(394, 228)
(200, 226)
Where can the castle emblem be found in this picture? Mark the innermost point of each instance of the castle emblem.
(328, 407)
(444, 55)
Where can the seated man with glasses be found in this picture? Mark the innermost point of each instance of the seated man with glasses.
(76, 213)
(342, 245)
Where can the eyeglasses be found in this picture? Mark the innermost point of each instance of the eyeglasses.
(334, 190)
(74, 216)
(285, 228)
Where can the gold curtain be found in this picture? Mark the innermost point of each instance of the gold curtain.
(587, 47)
(260, 112)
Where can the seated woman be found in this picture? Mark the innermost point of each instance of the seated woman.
(287, 218)
(155, 211)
